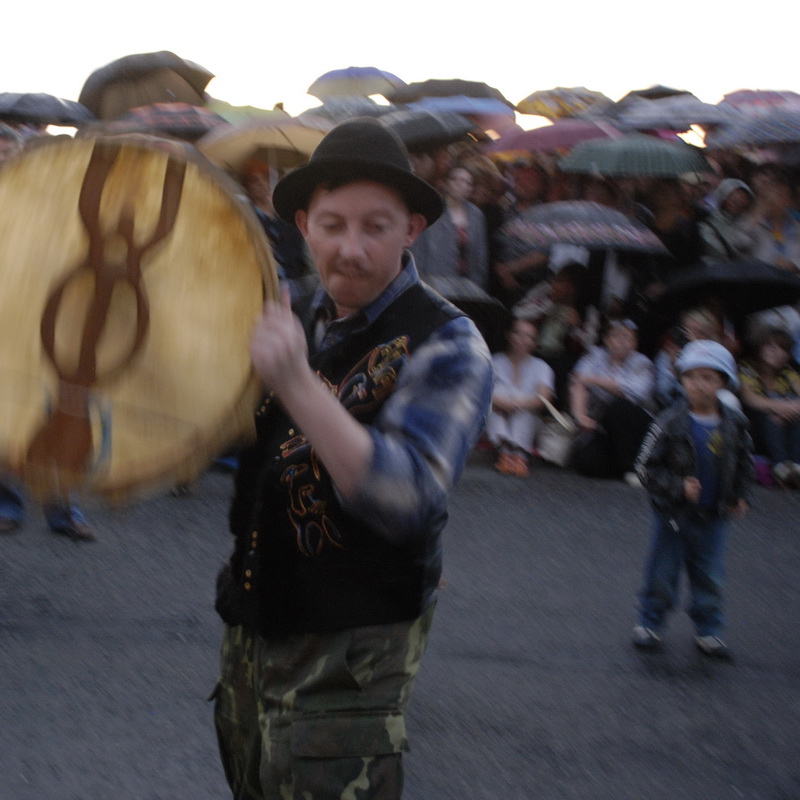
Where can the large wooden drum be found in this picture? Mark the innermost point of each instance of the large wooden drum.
(131, 277)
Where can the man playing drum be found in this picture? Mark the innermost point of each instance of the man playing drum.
(376, 393)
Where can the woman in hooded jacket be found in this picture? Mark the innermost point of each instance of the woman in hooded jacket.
(724, 234)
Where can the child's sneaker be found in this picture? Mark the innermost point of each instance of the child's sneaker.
(646, 638)
(713, 647)
(783, 473)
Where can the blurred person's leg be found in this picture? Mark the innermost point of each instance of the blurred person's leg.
(11, 508)
(66, 518)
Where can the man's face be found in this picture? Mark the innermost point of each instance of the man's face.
(357, 234)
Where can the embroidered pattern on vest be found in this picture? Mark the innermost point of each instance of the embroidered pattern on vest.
(363, 389)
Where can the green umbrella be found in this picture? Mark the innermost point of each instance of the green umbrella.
(635, 155)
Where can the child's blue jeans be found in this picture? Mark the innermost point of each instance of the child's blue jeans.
(697, 545)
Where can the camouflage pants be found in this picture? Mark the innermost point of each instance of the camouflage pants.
(317, 716)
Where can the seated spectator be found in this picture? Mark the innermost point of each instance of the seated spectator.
(611, 391)
(724, 233)
(771, 396)
(776, 240)
(519, 380)
(775, 231)
(457, 243)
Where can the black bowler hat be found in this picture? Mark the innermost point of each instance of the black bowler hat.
(358, 149)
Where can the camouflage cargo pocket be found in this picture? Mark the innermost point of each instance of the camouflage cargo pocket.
(345, 735)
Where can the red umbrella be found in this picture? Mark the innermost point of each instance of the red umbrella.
(562, 133)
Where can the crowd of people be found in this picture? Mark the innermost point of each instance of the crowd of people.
(377, 388)
(597, 322)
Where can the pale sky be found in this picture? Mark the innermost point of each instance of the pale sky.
(267, 52)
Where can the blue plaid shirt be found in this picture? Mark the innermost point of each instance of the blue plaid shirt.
(427, 427)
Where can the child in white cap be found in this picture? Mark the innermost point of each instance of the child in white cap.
(696, 464)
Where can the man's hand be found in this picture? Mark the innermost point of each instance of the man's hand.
(691, 489)
(278, 346)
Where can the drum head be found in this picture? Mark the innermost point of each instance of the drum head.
(132, 275)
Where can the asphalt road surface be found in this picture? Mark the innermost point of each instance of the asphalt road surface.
(530, 687)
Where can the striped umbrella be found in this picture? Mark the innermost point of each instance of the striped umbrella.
(582, 223)
(181, 120)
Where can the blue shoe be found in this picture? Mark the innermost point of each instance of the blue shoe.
(67, 520)
(8, 525)
(11, 509)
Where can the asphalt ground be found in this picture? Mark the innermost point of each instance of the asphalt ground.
(530, 687)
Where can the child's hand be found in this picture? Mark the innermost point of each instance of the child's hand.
(691, 489)
(740, 509)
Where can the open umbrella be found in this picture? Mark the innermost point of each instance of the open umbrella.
(677, 112)
(562, 102)
(562, 133)
(446, 87)
(634, 155)
(338, 109)
(490, 316)
(42, 109)
(181, 120)
(141, 79)
(656, 92)
(759, 101)
(742, 287)
(354, 80)
(487, 112)
(282, 145)
(243, 115)
(582, 223)
(420, 129)
(778, 126)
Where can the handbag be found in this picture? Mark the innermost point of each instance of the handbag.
(556, 435)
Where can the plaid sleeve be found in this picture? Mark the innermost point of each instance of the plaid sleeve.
(425, 431)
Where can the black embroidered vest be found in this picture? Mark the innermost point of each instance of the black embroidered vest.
(301, 562)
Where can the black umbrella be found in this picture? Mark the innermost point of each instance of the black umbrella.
(42, 109)
(338, 109)
(741, 287)
(420, 129)
(490, 316)
(445, 87)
